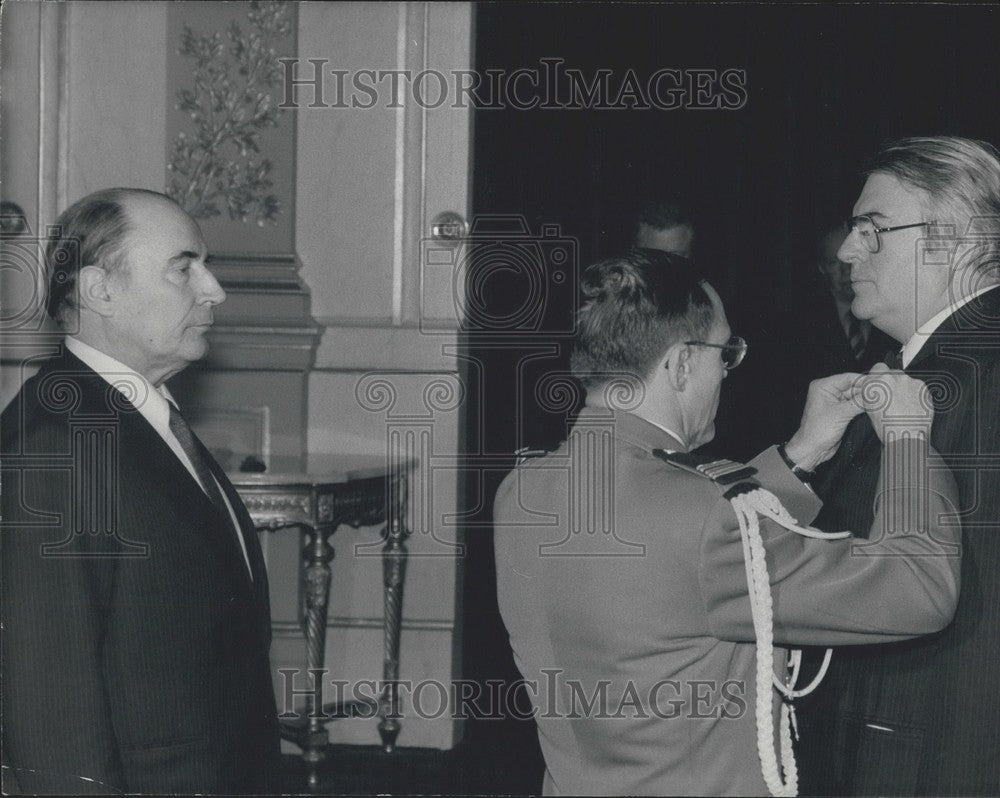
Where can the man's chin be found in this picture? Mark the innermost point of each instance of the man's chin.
(860, 310)
(197, 349)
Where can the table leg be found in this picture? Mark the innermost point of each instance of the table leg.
(317, 555)
(393, 573)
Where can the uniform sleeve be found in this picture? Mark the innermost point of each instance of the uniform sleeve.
(778, 478)
(57, 730)
(902, 582)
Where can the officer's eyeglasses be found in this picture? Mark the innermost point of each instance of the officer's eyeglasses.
(733, 351)
(870, 232)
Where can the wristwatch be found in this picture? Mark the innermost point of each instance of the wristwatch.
(801, 473)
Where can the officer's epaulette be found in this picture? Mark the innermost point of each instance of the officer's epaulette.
(719, 470)
(529, 453)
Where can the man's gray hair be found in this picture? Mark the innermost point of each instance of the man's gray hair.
(961, 176)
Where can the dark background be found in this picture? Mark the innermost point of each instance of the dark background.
(826, 84)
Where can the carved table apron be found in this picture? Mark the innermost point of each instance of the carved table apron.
(354, 490)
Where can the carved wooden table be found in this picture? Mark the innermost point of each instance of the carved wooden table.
(354, 490)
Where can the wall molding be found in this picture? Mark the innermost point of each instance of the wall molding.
(248, 270)
(262, 347)
(53, 122)
(378, 344)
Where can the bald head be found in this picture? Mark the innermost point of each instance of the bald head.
(148, 296)
(91, 232)
(677, 240)
(665, 224)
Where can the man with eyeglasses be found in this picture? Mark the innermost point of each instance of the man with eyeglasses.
(923, 717)
(620, 564)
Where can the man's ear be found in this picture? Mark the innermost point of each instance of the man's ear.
(95, 291)
(678, 365)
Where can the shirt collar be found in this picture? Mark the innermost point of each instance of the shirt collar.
(137, 390)
(916, 342)
(671, 433)
(635, 429)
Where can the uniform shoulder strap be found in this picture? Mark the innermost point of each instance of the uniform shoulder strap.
(528, 453)
(721, 471)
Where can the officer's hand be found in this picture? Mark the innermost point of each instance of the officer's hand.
(830, 406)
(896, 401)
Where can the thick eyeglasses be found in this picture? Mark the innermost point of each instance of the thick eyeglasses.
(733, 351)
(870, 232)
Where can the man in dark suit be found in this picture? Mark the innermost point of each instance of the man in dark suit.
(136, 622)
(923, 717)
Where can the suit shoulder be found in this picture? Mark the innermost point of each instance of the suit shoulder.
(38, 409)
(23, 418)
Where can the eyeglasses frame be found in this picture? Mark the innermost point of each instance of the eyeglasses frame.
(852, 226)
(734, 342)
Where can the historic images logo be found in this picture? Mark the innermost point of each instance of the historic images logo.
(312, 83)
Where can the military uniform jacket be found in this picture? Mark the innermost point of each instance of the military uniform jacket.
(621, 583)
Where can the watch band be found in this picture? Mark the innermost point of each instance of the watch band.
(801, 473)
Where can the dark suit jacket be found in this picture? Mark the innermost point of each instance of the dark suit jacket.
(923, 717)
(135, 645)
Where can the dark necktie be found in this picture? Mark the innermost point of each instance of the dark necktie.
(185, 437)
(894, 359)
(855, 335)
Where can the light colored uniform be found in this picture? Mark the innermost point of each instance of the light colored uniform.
(622, 585)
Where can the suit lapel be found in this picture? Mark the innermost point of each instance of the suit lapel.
(154, 463)
(259, 586)
(247, 530)
(163, 468)
(857, 437)
(961, 327)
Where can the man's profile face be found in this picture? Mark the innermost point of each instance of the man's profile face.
(677, 240)
(836, 273)
(707, 372)
(885, 283)
(164, 294)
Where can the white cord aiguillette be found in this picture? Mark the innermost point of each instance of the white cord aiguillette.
(783, 781)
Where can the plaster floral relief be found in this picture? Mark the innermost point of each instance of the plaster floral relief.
(217, 166)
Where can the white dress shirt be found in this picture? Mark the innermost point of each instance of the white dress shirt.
(671, 433)
(151, 402)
